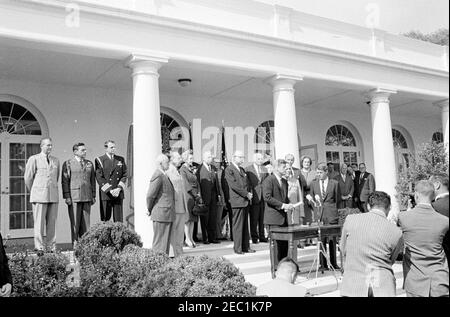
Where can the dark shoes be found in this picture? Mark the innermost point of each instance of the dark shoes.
(239, 252)
(249, 251)
(205, 242)
(255, 241)
(264, 240)
(214, 241)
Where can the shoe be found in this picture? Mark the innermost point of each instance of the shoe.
(206, 242)
(214, 241)
(336, 267)
(255, 241)
(249, 251)
(239, 252)
(323, 268)
(263, 240)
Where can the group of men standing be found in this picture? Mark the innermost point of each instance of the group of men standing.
(78, 181)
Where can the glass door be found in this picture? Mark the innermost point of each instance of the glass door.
(16, 213)
(342, 156)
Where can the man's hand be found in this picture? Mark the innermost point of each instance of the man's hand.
(249, 196)
(115, 192)
(68, 201)
(5, 290)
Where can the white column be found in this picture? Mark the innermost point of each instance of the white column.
(383, 148)
(285, 118)
(444, 106)
(146, 136)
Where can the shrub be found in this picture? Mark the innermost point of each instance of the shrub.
(39, 276)
(104, 235)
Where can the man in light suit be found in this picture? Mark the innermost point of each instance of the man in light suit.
(161, 205)
(111, 174)
(346, 188)
(78, 186)
(275, 193)
(325, 193)
(284, 283)
(256, 174)
(441, 203)
(41, 178)
(240, 196)
(370, 245)
(366, 186)
(425, 267)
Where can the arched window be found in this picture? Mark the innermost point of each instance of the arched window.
(21, 128)
(341, 146)
(171, 132)
(264, 138)
(16, 119)
(402, 152)
(438, 137)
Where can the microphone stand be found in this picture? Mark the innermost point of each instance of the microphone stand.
(321, 250)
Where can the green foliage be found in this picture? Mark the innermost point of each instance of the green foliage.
(44, 276)
(439, 37)
(431, 158)
(113, 264)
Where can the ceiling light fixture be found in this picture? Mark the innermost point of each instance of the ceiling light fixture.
(184, 82)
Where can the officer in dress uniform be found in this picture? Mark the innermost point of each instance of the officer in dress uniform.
(111, 174)
(78, 186)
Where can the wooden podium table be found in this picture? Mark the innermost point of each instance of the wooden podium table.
(295, 233)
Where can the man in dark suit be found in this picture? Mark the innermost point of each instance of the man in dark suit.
(275, 193)
(209, 188)
(325, 193)
(440, 203)
(425, 267)
(355, 173)
(290, 169)
(366, 186)
(5, 273)
(111, 174)
(240, 196)
(256, 174)
(161, 205)
(346, 188)
(78, 187)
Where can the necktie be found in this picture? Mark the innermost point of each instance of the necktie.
(323, 189)
(48, 160)
(82, 164)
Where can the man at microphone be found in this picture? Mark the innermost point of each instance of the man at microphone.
(326, 193)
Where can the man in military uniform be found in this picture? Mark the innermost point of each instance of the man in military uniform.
(78, 186)
(41, 178)
(111, 174)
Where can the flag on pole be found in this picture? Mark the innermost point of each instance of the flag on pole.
(223, 152)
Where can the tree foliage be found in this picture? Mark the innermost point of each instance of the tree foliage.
(439, 37)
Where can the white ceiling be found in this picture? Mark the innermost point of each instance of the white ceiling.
(54, 67)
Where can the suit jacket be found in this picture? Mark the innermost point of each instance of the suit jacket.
(356, 184)
(274, 197)
(256, 183)
(370, 245)
(238, 186)
(161, 198)
(41, 178)
(329, 204)
(78, 181)
(345, 187)
(208, 184)
(5, 273)
(425, 267)
(178, 185)
(441, 206)
(366, 186)
(191, 187)
(110, 175)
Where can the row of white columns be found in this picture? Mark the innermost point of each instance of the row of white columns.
(147, 132)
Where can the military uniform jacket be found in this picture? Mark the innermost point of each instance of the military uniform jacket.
(110, 175)
(41, 178)
(78, 180)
